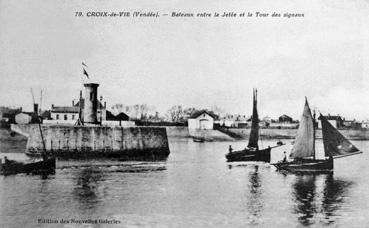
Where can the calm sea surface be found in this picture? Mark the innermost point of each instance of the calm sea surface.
(195, 187)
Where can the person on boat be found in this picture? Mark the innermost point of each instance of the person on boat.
(6, 160)
(285, 157)
(230, 149)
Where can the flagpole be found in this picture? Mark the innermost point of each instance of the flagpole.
(79, 121)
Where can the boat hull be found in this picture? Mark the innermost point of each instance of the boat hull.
(306, 166)
(41, 167)
(249, 155)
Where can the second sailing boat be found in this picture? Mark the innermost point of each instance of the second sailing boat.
(304, 153)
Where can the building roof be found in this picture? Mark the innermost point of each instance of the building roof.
(121, 116)
(65, 109)
(74, 108)
(199, 113)
(284, 116)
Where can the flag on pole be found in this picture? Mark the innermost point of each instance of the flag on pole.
(85, 73)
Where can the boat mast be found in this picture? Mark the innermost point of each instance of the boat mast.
(254, 133)
(43, 141)
(314, 135)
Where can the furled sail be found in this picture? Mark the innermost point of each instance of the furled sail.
(254, 134)
(304, 143)
(335, 144)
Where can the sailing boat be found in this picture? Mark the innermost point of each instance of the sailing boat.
(252, 151)
(304, 153)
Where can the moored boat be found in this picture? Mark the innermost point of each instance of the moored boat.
(46, 166)
(252, 152)
(41, 167)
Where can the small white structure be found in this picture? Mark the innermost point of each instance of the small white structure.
(365, 124)
(201, 120)
(23, 118)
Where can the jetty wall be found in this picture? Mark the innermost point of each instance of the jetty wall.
(92, 141)
(209, 135)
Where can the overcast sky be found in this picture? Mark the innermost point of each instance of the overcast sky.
(197, 62)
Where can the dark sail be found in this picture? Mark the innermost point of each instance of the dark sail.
(254, 134)
(335, 144)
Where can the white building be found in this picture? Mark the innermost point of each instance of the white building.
(201, 120)
(63, 115)
(70, 114)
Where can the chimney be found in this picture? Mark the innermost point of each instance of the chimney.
(35, 108)
(52, 106)
(72, 102)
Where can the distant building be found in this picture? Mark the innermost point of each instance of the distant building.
(335, 121)
(92, 110)
(64, 114)
(235, 121)
(202, 120)
(351, 124)
(241, 121)
(26, 118)
(285, 119)
(7, 115)
(266, 121)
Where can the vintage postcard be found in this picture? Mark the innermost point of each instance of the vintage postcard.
(184, 113)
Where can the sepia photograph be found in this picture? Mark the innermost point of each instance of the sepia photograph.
(184, 113)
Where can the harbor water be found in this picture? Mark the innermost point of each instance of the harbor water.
(195, 187)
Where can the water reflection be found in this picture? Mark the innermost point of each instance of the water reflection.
(335, 192)
(304, 193)
(87, 187)
(318, 194)
(254, 202)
